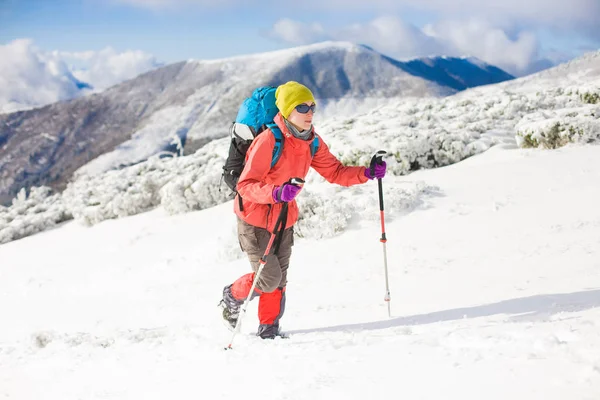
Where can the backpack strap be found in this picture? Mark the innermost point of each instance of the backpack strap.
(314, 146)
(278, 143)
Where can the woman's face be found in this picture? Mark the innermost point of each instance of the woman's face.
(300, 120)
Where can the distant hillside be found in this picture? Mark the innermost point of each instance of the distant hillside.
(194, 102)
(458, 73)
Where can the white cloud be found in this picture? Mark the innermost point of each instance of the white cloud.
(553, 12)
(391, 36)
(31, 77)
(108, 67)
(558, 13)
(517, 54)
(574, 18)
(298, 33)
(489, 43)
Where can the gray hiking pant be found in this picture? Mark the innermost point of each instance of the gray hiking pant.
(254, 241)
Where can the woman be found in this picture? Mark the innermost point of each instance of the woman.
(264, 190)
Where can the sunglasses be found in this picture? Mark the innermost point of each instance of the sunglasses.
(303, 108)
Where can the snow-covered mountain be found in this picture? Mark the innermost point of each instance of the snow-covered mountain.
(575, 74)
(458, 73)
(194, 102)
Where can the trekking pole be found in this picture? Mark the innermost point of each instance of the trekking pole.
(279, 225)
(378, 160)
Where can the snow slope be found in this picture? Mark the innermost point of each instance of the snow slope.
(494, 276)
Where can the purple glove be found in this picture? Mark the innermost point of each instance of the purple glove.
(379, 171)
(285, 192)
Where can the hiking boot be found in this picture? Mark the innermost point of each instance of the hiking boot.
(230, 317)
(230, 307)
(268, 331)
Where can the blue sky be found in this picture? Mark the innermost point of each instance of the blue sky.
(171, 35)
(514, 36)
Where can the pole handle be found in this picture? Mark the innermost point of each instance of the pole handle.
(296, 182)
(377, 160)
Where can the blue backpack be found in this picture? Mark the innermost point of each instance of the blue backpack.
(255, 115)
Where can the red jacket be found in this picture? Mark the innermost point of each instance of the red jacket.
(258, 179)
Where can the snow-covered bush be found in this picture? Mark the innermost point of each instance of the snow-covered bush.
(326, 210)
(412, 133)
(116, 193)
(590, 97)
(178, 184)
(197, 186)
(37, 212)
(553, 129)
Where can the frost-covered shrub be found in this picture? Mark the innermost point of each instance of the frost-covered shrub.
(117, 193)
(326, 210)
(432, 145)
(322, 216)
(553, 129)
(37, 212)
(178, 184)
(197, 186)
(590, 97)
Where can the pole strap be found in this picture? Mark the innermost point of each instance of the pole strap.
(280, 227)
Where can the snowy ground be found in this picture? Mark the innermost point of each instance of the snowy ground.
(495, 283)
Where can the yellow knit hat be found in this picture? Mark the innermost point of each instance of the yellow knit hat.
(289, 95)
